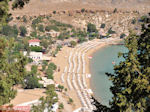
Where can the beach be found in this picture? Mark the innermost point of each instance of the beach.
(75, 74)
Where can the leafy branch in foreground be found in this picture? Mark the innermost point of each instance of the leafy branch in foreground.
(46, 103)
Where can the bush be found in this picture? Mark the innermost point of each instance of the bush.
(102, 25)
(70, 101)
(41, 28)
(52, 66)
(32, 82)
(122, 35)
(50, 76)
(91, 28)
(61, 106)
(82, 39)
(23, 31)
(36, 48)
(11, 31)
(51, 27)
(82, 10)
(73, 43)
(24, 19)
(33, 34)
(54, 12)
(49, 71)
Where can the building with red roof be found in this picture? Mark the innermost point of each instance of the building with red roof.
(34, 42)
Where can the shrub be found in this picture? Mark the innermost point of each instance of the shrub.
(41, 28)
(73, 43)
(49, 76)
(82, 10)
(51, 27)
(32, 82)
(70, 101)
(24, 19)
(23, 31)
(91, 28)
(54, 12)
(49, 71)
(11, 31)
(61, 106)
(122, 35)
(33, 34)
(36, 48)
(52, 66)
(82, 39)
(115, 10)
(102, 25)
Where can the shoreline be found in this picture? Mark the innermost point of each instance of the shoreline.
(91, 53)
(62, 61)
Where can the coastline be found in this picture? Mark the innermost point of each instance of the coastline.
(91, 53)
(62, 61)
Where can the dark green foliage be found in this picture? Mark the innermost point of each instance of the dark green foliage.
(23, 31)
(24, 19)
(61, 106)
(49, 71)
(122, 35)
(82, 39)
(110, 31)
(131, 81)
(32, 82)
(102, 25)
(36, 48)
(12, 71)
(11, 31)
(91, 28)
(46, 102)
(82, 10)
(73, 43)
(51, 27)
(33, 34)
(133, 21)
(59, 47)
(54, 12)
(19, 3)
(41, 28)
(115, 10)
(52, 66)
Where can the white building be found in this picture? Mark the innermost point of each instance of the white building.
(36, 56)
(53, 33)
(34, 42)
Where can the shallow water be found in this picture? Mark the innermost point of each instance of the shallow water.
(99, 65)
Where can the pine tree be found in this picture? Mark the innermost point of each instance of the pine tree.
(131, 81)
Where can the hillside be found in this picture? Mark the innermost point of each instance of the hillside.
(36, 7)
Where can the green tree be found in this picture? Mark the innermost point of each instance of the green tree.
(46, 102)
(23, 31)
(73, 43)
(12, 70)
(52, 66)
(131, 81)
(41, 28)
(91, 28)
(61, 106)
(70, 101)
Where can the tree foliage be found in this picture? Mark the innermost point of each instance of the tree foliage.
(131, 81)
(46, 103)
(12, 70)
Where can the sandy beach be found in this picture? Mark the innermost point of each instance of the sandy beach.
(74, 75)
(74, 79)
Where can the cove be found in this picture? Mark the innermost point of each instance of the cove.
(99, 65)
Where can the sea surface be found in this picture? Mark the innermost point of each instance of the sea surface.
(99, 65)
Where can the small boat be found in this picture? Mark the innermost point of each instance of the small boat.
(90, 57)
(113, 62)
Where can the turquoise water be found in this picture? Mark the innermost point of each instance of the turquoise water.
(99, 65)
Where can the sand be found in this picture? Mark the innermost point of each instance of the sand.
(62, 61)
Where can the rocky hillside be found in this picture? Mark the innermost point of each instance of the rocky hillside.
(36, 7)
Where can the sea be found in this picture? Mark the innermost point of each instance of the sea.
(103, 61)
